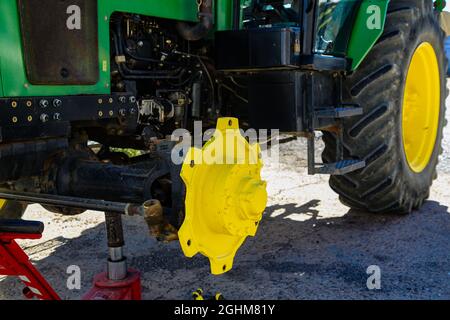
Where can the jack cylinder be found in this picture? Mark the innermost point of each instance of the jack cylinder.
(117, 266)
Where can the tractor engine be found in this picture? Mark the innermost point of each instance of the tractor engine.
(172, 82)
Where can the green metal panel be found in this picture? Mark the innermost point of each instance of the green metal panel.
(12, 67)
(224, 13)
(368, 28)
(224, 17)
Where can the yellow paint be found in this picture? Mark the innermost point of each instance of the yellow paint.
(225, 196)
(421, 107)
(2, 203)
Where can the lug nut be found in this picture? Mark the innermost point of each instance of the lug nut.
(132, 111)
(132, 99)
(123, 112)
(122, 99)
(44, 117)
(43, 103)
(57, 103)
(57, 116)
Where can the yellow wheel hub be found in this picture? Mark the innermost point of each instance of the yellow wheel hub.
(225, 196)
(421, 106)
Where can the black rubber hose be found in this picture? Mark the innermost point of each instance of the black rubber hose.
(200, 30)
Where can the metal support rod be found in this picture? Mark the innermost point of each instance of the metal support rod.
(115, 254)
(74, 202)
(117, 266)
(114, 230)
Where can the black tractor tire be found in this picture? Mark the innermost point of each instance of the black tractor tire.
(387, 183)
(12, 209)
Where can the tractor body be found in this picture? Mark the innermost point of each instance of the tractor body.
(81, 81)
(102, 70)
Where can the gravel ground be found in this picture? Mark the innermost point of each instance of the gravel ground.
(308, 246)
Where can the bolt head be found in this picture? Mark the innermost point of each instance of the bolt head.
(44, 117)
(43, 103)
(57, 103)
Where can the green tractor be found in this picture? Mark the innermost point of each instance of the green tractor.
(84, 81)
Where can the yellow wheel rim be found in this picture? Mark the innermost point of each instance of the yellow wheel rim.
(421, 105)
(225, 196)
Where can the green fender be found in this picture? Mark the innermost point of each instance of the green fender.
(368, 28)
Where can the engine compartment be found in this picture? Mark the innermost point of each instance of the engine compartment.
(172, 77)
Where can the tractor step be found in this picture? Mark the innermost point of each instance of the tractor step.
(340, 168)
(343, 111)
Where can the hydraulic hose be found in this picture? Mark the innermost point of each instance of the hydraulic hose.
(200, 30)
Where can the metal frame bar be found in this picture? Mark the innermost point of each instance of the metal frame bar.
(74, 202)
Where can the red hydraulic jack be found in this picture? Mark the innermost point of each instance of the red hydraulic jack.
(15, 262)
(117, 283)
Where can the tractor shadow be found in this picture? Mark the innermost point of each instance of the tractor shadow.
(308, 256)
(296, 254)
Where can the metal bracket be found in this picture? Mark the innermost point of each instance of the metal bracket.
(341, 166)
